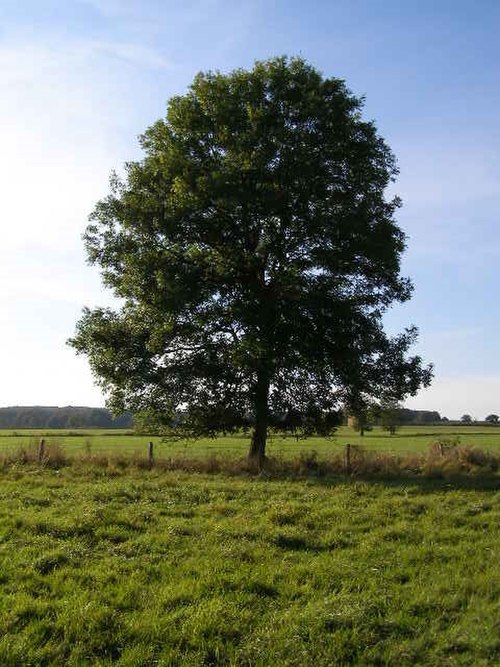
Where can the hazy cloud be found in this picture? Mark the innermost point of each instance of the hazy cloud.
(137, 54)
(454, 396)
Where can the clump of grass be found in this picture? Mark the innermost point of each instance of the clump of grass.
(52, 456)
(447, 456)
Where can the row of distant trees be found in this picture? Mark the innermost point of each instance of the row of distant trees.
(66, 417)
(390, 417)
(490, 419)
(85, 417)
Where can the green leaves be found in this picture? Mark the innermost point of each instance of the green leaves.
(253, 240)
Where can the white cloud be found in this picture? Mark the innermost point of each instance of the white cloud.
(137, 54)
(57, 134)
(454, 396)
(61, 134)
(41, 378)
(23, 63)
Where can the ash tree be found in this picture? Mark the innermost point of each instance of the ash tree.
(254, 254)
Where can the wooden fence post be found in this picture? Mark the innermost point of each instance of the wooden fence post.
(41, 450)
(150, 455)
(348, 459)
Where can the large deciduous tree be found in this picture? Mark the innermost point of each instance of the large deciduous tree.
(254, 253)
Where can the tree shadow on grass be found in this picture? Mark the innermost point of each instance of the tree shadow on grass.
(426, 484)
(443, 467)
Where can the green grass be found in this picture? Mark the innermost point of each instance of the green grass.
(409, 439)
(131, 567)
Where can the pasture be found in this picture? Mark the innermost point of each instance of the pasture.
(136, 567)
(105, 562)
(408, 439)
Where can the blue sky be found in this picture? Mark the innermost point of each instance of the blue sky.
(80, 79)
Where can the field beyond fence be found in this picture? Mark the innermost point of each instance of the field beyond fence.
(411, 453)
(407, 440)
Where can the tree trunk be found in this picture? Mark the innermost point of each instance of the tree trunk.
(257, 452)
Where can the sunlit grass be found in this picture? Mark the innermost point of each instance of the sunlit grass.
(409, 439)
(134, 567)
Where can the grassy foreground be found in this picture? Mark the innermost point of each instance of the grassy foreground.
(105, 566)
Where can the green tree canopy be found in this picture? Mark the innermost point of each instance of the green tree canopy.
(254, 253)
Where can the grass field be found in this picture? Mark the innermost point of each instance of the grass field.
(132, 567)
(409, 439)
(104, 562)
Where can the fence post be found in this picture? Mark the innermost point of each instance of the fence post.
(150, 455)
(41, 450)
(348, 459)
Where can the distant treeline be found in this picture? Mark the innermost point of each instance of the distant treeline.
(67, 417)
(419, 416)
(82, 417)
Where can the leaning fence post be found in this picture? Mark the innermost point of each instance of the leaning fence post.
(41, 450)
(150, 455)
(348, 458)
